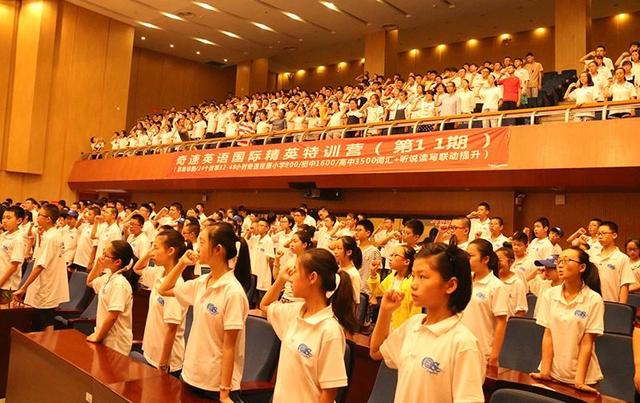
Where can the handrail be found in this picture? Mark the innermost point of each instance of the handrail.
(382, 128)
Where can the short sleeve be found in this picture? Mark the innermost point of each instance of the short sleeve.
(626, 275)
(331, 369)
(119, 295)
(185, 292)
(281, 316)
(98, 283)
(521, 296)
(542, 308)
(172, 311)
(269, 249)
(46, 254)
(148, 277)
(391, 348)
(595, 318)
(468, 376)
(236, 309)
(17, 252)
(500, 301)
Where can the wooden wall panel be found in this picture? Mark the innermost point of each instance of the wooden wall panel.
(161, 81)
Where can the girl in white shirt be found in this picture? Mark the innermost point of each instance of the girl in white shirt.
(349, 258)
(300, 242)
(114, 292)
(582, 93)
(374, 112)
(573, 316)
(437, 357)
(467, 97)
(220, 309)
(620, 90)
(516, 290)
(311, 365)
(491, 100)
(486, 313)
(300, 119)
(163, 341)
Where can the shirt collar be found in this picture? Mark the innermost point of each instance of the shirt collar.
(324, 314)
(224, 280)
(486, 279)
(579, 299)
(442, 327)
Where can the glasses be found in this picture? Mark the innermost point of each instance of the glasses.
(108, 257)
(395, 254)
(566, 260)
(602, 233)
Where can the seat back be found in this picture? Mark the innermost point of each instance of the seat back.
(26, 271)
(363, 307)
(384, 389)
(519, 396)
(251, 292)
(348, 365)
(79, 293)
(522, 332)
(91, 311)
(188, 321)
(615, 355)
(531, 304)
(634, 300)
(261, 351)
(618, 318)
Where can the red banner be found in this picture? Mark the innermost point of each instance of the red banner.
(434, 151)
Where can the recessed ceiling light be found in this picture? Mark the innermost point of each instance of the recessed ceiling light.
(143, 38)
(197, 52)
(148, 25)
(206, 41)
(230, 34)
(171, 45)
(172, 16)
(225, 60)
(293, 16)
(206, 6)
(262, 26)
(330, 5)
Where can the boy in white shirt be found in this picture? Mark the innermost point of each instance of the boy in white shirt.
(370, 252)
(138, 240)
(12, 248)
(87, 240)
(47, 286)
(555, 234)
(70, 236)
(111, 230)
(262, 256)
(613, 265)
(496, 237)
(480, 221)
(540, 247)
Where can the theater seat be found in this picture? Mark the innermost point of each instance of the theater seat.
(634, 300)
(384, 389)
(522, 332)
(262, 349)
(531, 304)
(251, 292)
(363, 306)
(618, 318)
(79, 293)
(348, 364)
(519, 396)
(615, 355)
(85, 322)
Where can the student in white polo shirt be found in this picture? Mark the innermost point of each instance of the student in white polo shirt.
(115, 297)
(523, 264)
(220, 310)
(480, 221)
(370, 253)
(588, 236)
(163, 341)
(311, 366)
(540, 247)
(262, 256)
(47, 285)
(573, 316)
(486, 313)
(137, 238)
(613, 265)
(349, 258)
(516, 290)
(12, 248)
(111, 230)
(437, 357)
(300, 242)
(496, 237)
(87, 244)
(70, 236)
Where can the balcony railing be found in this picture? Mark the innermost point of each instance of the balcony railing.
(530, 116)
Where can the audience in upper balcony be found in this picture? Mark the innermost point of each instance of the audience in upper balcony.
(491, 86)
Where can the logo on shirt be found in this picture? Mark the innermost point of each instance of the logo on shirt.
(160, 300)
(580, 314)
(481, 295)
(611, 266)
(432, 367)
(305, 351)
(5, 248)
(212, 309)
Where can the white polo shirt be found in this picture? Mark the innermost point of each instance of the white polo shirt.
(218, 307)
(441, 362)
(488, 299)
(568, 322)
(311, 353)
(615, 272)
(51, 287)
(635, 269)
(354, 276)
(162, 310)
(480, 226)
(149, 230)
(140, 244)
(109, 233)
(540, 249)
(498, 242)
(517, 293)
(70, 241)
(115, 295)
(261, 250)
(84, 246)
(523, 268)
(12, 249)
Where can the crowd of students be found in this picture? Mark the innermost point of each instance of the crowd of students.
(487, 87)
(439, 303)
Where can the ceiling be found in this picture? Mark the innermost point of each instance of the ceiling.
(324, 35)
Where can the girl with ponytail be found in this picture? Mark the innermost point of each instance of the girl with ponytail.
(214, 356)
(311, 366)
(573, 316)
(486, 314)
(437, 357)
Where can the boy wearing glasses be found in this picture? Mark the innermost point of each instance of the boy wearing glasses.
(47, 285)
(613, 265)
(138, 240)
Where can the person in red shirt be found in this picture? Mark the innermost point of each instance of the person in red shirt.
(510, 92)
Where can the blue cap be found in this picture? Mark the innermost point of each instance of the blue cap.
(551, 261)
